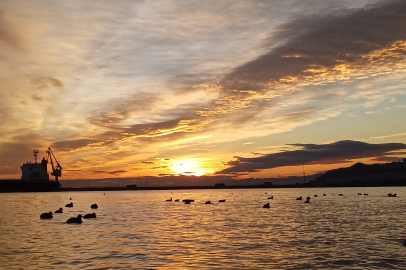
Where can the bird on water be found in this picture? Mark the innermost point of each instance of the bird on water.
(69, 205)
(46, 215)
(266, 205)
(94, 206)
(59, 210)
(93, 215)
(77, 220)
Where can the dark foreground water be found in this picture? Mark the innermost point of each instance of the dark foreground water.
(140, 230)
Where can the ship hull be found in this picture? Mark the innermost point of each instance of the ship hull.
(25, 186)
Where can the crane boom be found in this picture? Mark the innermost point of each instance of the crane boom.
(56, 171)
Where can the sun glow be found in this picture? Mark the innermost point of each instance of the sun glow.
(191, 166)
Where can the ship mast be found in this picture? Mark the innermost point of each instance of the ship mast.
(35, 155)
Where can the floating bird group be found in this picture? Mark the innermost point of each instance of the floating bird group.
(188, 201)
(74, 220)
(267, 205)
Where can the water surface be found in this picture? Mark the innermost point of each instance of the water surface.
(140, 230)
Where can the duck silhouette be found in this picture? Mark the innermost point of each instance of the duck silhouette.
(69, 205)
(208, 202)
(299, 199)
(307, 200)
(266, 205)
(324, 194)
(222, 200)
(46, 215)
(169, 200)
(59, 211)
(77, 220)
(93, 215)
(176, 200)
(270, 198)
(94, 206)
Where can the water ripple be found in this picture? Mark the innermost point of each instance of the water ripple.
(139, 230)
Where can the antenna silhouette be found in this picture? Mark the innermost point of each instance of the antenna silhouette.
(304, 175)
(35, 155)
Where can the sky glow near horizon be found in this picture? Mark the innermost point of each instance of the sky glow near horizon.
(222, 88)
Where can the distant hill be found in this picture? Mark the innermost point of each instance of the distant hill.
(360, 174)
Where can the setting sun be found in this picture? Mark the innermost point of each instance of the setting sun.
(190, 166)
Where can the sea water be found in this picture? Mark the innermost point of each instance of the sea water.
(141, 230)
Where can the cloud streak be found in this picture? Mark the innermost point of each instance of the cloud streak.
(315, 44)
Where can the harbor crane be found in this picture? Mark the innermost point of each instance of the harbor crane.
(56, 171)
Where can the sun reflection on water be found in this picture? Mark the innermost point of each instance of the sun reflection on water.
(139, 229)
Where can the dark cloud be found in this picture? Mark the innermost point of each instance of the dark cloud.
(343, 37)
(112, 172)
(147, 162)
(72, 144)
(338, 152)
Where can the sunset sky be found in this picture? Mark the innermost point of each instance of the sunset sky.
(227, 88)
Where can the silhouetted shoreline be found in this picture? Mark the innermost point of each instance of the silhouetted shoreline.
(209, 187)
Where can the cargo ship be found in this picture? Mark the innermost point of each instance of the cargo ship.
(35, 176)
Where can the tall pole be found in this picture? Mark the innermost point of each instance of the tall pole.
(304, 175)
